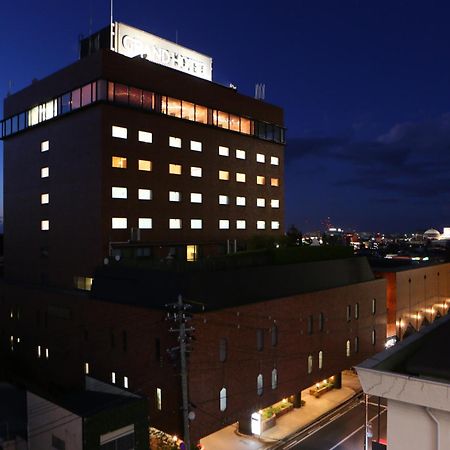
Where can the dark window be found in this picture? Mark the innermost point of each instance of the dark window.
(374, 337)
(310, 324)
(356, 344)
(274, 335)
(121, 93)
(121, 443)
(349, 313)
(374, 305)
(356, 310)
(259, 339)
(321, 321)
(57, 443)
(157, 349)
(223, 344)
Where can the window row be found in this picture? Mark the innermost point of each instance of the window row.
(102, 90)
(310, 361)
(356, 310)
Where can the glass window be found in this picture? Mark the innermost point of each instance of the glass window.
(125, 382)
(45, 146)
(135, 97)
(174, 142)
(188, 110)
(145, 136)
(260, 224)
(240, 177)
(246, 127)
(145, 223)
(196, 224)
(349, 313)
(260, 179)
(175, 224)
(145, 165)
(240, 224)
(86, 94)
(76, 99)
(320, 359)
(240, 201)
(234, 122)
(86, 368)
(274, 378)
(144, 194)
(374, 337)
(119, 223)
(173, 107)
(224, 175)
(274, 182)
(45, 199)
(148, 100)
(113, 377)
(240, 154)
(118, 192)
(260, 202)
(356, 311)
(174, 196)
(201, 114)
(347, 348)
(274, 161)
(196, 146)
(191, 253)
(356, 346)
(224, 151)
(374, 305)
(45, 225)
(224, 200)
(224, 224)
(121, 93)
(259, 385)
(45, 172)
(222, 119)
(275, 225)
(175, 169)
(196, 172)
(260, 158)
(274, 335)
(119, 162)
(310, 363)
(196, 197)
(119, 132)
(274, 203)
(321, 321)
(259, 339)
(158, 399)
(223, 399)
(310, 324)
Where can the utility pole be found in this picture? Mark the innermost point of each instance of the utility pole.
(180, 317)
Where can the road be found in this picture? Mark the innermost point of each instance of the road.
(344, 430)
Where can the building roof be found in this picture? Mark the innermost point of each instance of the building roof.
(224, 288)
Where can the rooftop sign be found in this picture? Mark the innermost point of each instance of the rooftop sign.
(131, 42)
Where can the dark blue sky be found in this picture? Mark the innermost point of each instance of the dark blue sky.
(365, 86)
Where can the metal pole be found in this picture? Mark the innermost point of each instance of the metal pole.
(379, 418)
(184, 380)
(366, 438)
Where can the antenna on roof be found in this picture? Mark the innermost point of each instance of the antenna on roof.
(260, 91)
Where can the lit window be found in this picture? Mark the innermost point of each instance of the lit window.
(113, 377)
(174, 196)
(86, 368)
(45, 146)
(224, 200)
(46, 353)
(223, 399)
(119, 132)
(145, 165)
(310, 324)
(119, 163)
(240, 224)
(260, 158)
(125, 382)
(347, 348)
(274, 182)
(274, 378)
(224, 224)
(196, 224)
(374, 337)
(144, 194)
(274, 160)
(175, 224)
(349, 313)
(191, 252)
(196, 146)
(224, 151)
(240, 154)
(118, 192)
(145, 136)
(261, 224)
(83, 283)
(158, 399)
(240, 201)
(356, 345)
(119, 223)
(45, 225)
(310, 363)
(174, 142)
(320, 359)
(240, 177)
(196, 172)
(145, 223)
(260, 179)
(45, 199)
(45, 172)
(275, 203)
(374, 305)
(175, 169)
(259, 385)
(196, 197)
(224, 175)
(356, 311)
(260, 202)
(275, 225)
(39, 351)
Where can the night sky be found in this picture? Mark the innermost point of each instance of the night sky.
(365, 86)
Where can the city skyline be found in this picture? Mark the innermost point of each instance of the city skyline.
(363, 88)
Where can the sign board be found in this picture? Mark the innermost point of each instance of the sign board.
(131, 42)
